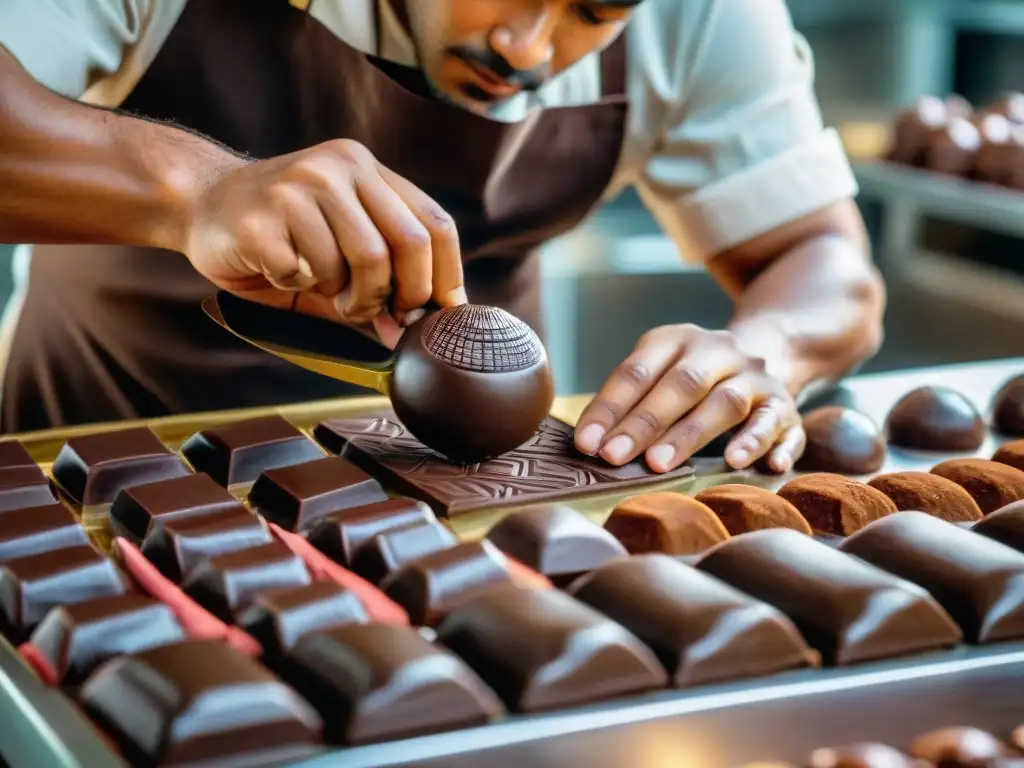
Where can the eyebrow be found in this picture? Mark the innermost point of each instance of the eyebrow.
(614, 3)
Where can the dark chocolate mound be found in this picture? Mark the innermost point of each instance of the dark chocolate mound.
(936, 419)
(925, 492)
(841, 440)
(1008, 407)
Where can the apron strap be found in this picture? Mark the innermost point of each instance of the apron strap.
(613, 68)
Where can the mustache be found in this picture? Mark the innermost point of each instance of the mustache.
(527, 79)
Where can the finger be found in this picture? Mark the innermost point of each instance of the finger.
(320, 261)
(448, 289)
(263, 247)
(388, 330)
(788, 449)
(772, 416)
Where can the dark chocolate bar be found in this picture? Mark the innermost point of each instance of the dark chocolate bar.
(238, 453)
(701, 629)
(545, 468)
(385, 553)
(377, 682)
(134, 509)
(91, 469)
(848, 610)
(341, 534)
(35, 530)
(75, 639)
(296, 496)
(22, 482)
(203, 703)
(226, 583)
(540, 649)
(980, 582)
(666, 522)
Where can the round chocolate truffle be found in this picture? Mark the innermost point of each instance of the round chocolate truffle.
(836, 504)
(665, 522)
(925, 492)
(914, 129)
(953, 148)
(991, 484)
(843, 441)
(743, 508)
(1010, 105)
(861, 756)
(471, 382)
(1008, 407)
(961, 747)
(997, 137)
(1011, 454)
(936, 419)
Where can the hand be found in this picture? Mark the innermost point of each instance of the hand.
(682, 387)
(330, 222)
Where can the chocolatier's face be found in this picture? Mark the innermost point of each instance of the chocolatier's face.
(478, 53)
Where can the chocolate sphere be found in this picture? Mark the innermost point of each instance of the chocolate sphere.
(914, 130)
(961, 747)
(1008, 407)
(471, 382)
(952, 149)
(841, 440)
(1010, 105)
(936, 419)
(998, 138)
(957, 106)
(862, 756)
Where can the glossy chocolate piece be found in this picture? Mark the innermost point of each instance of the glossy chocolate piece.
(225, 584)
(92, 469)
(999, 140)
(341, 534)
(1010, 105)
(387, 552)
(843, 441)
(295, 497)
(177, 545)
(862, 756)
(35, 530)
(545, 468)
(75, 639)
(204, 702)
(991, 484)
(665, 522)
(848, 610)
(914, 129)
(134, 509)
(929, 493)
(238, 453)
(701, 629)
(1008, 407)
(556, 541)
(743, 508)
(936, 419)
(1005, 525)
(540, 649)
(31, 586)
(962, 747)
(835, 504)
(22, 482)
(979, 582)
(377, 682)
(428, 588)
(952, 150)
(277, 618)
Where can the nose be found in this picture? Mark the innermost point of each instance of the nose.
(526, 43)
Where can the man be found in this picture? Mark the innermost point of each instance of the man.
(373, 155)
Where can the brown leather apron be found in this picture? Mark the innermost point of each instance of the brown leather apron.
(109, 333)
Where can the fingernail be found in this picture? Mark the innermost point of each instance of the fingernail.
(340, 302)
(455, 297)
(748, 444)
(412, 316)
(739, 457)
(661, 455)
(588, 440)
(783, 462)
(618, 450)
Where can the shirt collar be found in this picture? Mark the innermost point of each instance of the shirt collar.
(395, 43)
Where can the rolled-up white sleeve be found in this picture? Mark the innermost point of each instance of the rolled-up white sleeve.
(740, 149)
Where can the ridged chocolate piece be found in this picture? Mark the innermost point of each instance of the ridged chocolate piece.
(992, 485)
(341, 534)
(387, 552)
(848, 610)
(22, 482)
(134, 509)
(936, 419)
(1005, 525)
(92, 469)
(979, 582)
(31, 586)
(225, 584)
(35, 530)
(925, 492)
(1011, 454)
(665, 522)
(177, 545)
(540, 649)
(841, 440)
(204, 703)
(555, 540)
(377, 682)
(743, 508)
(428, 588)
(296, 496)
(277, 618)
(862, 756)
(701, 629)
(835, 504)
(962, 747)
(77, 638)
(233, 454)
(1008, 408)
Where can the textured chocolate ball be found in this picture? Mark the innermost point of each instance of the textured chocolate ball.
(665, 522)
(862, 756)
(925, 492)
(843, 441)
(914, 129)
(836, 504)
(991, 484)
(1011, 454)
(936, 419)
(743, 508)
(1008, 407)
(961, 747)
(952, 149)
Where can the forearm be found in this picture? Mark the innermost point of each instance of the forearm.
(73, 173)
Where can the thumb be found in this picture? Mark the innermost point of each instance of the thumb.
(388, 330)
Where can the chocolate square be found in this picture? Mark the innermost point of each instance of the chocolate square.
(341, 534)
(35, 530)
(22, 482)
(387, 552)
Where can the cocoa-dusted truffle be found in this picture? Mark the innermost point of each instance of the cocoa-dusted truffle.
(835, 504)
(843, 441)
(936, 419)
(929, 493)
(665, 522)
(914, 129)
(952, 149)
(993, 485)
(1011, 454)
(861, 756)
(743, 508)
(963, 747)
(1008, 407)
